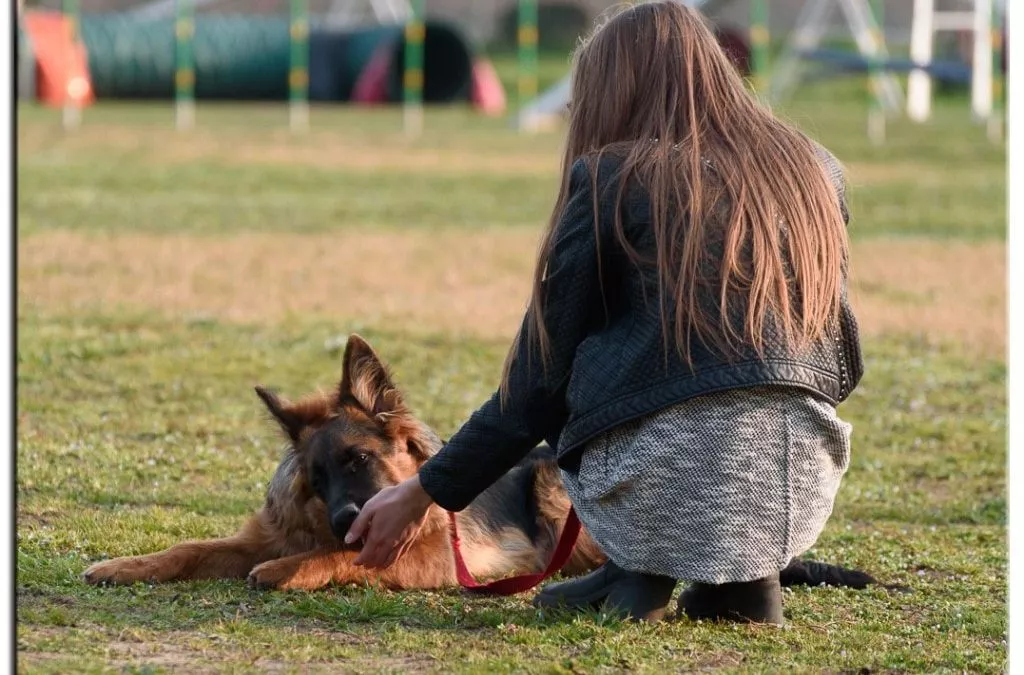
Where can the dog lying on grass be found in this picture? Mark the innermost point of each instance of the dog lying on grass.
(343, 448)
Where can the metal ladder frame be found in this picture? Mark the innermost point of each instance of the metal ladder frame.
(927, 21)
(810, 29)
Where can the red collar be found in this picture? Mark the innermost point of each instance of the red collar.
(525, 582)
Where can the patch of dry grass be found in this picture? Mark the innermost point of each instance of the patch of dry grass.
(331, 148)
(454, 282)
(324, 148)
(946, 290)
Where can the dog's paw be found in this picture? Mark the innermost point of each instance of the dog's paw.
(282, 575)
(268, 576)
(116, 572)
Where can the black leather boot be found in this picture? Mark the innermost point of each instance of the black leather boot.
(641, 597)
(757, 601)
(588, 591)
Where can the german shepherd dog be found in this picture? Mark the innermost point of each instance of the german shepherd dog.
(343, 448)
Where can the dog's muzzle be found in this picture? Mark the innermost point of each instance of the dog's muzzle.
(342, 519)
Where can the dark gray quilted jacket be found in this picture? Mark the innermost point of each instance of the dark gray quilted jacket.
(607, 361)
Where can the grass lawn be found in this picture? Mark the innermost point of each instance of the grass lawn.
(162, 275)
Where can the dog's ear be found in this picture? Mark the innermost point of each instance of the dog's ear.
(421, 440)
(293, 418)
(365, 378)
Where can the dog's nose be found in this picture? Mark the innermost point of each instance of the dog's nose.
(342, 519)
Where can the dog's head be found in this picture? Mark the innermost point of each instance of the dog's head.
(355, 441)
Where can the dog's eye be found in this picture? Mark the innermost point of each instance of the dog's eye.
(362, 458)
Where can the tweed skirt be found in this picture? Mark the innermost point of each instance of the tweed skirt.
(725, 487)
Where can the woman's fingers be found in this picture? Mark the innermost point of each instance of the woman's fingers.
(401, 546)
(376, 554)
(365, 557)
(371, 554)
(361, 523)
(382, 554)
(392, 557)
(388, 524)
(405, 548)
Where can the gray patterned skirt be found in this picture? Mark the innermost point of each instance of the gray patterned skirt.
(721, 488)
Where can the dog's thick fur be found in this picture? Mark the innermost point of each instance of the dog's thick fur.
(344, 447)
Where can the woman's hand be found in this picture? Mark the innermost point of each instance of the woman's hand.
(389, 523)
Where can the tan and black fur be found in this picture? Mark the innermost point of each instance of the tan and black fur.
(343, 448)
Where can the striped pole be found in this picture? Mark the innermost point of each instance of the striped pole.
(759, 39)
(876, 109)
(527, 41)
(995, 120)
(72, 109)
(184, 72)
(412, 82)
(298, 75)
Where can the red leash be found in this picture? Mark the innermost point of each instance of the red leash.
(525, 582)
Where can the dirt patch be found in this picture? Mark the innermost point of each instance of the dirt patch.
(157, 657)
(440, 282)
(455, 282)
(728, 658)
(196, 652)
(127, 650)
(947, 290)
(871, 173)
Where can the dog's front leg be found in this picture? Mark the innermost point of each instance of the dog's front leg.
(305, 571)
(227, 558)
(215, 559)
(316, 569)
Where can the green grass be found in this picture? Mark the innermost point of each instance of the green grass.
(139, 428)
(896, 190)
(151, 435)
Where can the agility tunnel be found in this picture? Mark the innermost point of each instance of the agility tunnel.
(243, 57)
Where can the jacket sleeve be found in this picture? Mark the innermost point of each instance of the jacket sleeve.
(500, 434)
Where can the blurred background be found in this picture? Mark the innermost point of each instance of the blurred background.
(352, 50)
(214, 194)
(390, 119)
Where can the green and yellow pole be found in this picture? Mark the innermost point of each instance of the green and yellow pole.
(298, 74)
(527, 41)
(72, 109)
(876, 109)
(759, 43)
(995, 120)
(412, 82)
(184, 71)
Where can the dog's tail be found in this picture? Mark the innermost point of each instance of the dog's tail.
(813, 573)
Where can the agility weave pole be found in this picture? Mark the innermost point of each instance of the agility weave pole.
(412, 81)
(527, 41)
(298, 72)
(760, 39)
(184, 70)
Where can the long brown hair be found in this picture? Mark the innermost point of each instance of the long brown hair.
(744, 217)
